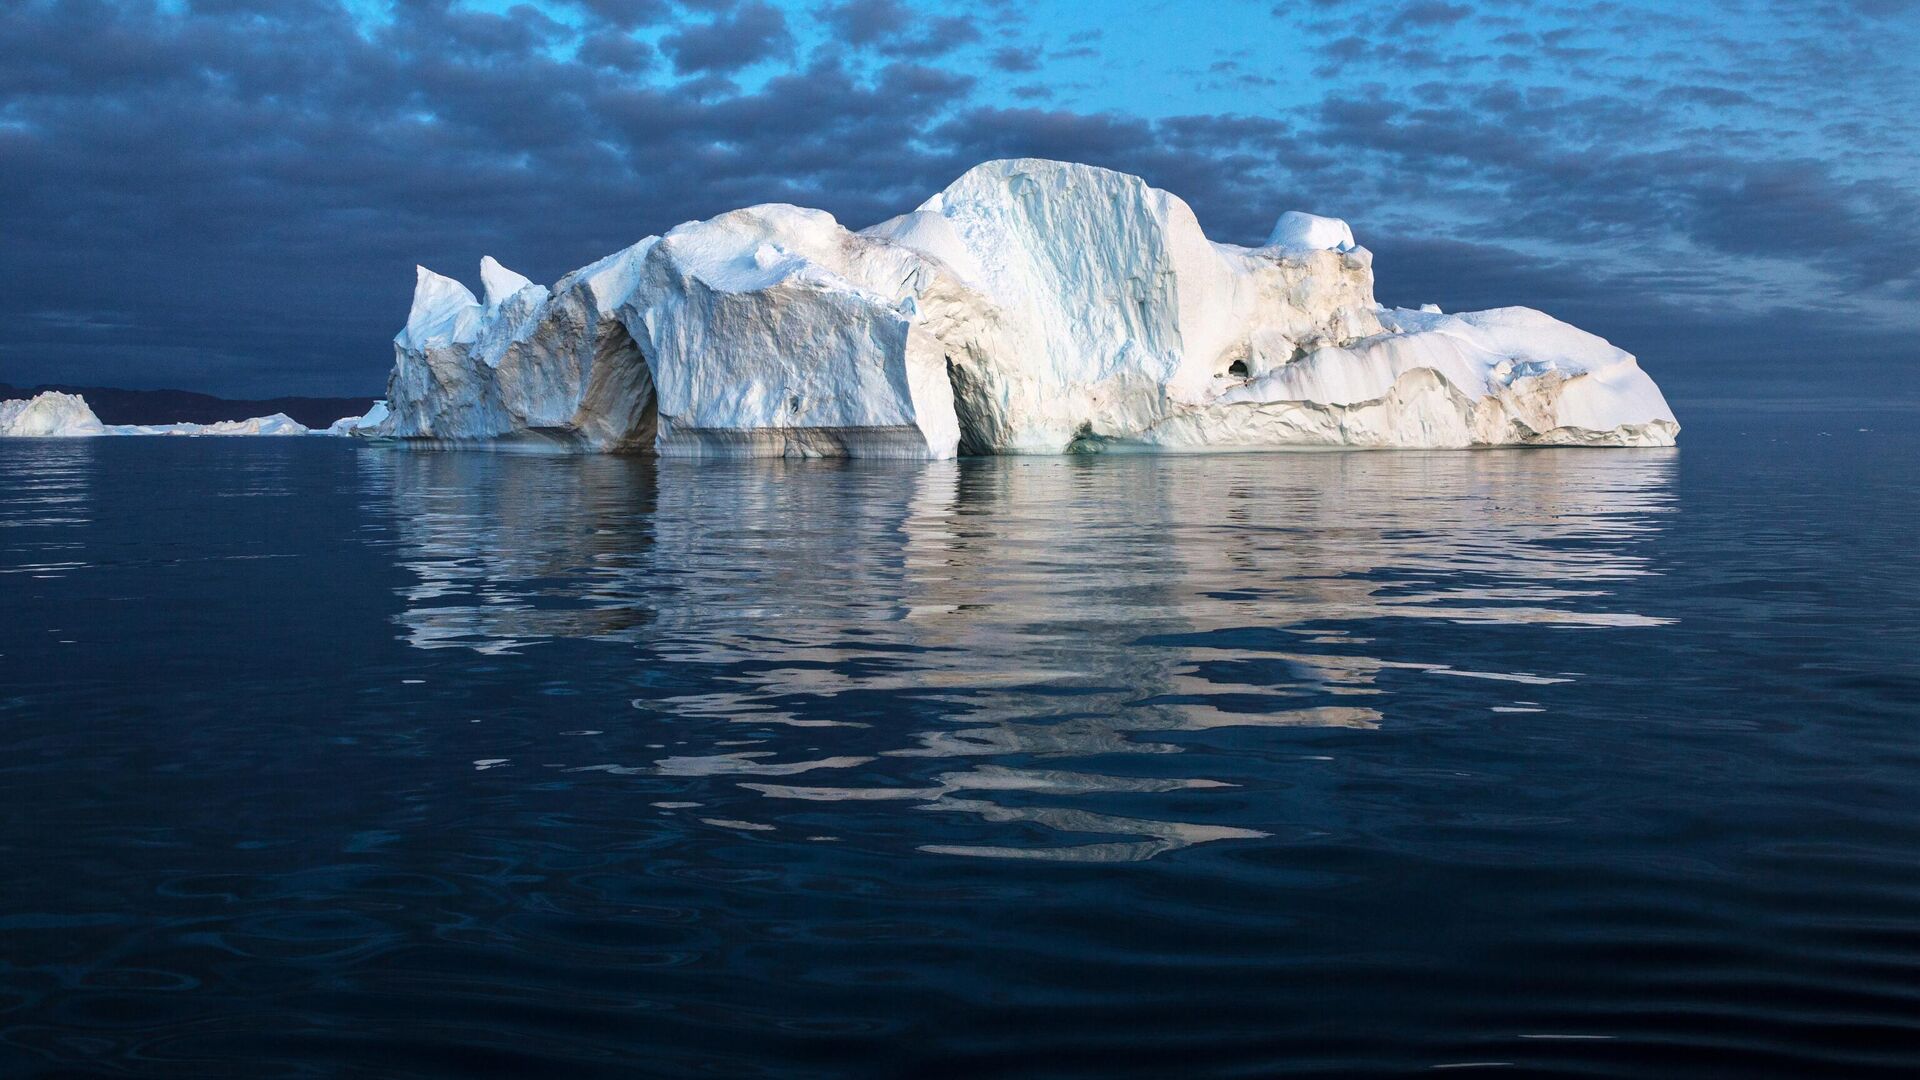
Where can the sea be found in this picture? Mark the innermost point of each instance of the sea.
(325, 759)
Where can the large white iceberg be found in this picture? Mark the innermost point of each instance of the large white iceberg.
(49, 415)
(1033, 306)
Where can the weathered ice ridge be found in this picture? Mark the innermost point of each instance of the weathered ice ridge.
(1031, 307)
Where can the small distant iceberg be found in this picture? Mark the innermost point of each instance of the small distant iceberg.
(357, 425)
(277, 424)
(54, 415)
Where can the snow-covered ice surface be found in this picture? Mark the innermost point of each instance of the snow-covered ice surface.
(1032, 306)
(1302, 231)
(49, 415)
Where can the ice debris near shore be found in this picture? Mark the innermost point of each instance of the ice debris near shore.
(1032, 306)
(52, 414)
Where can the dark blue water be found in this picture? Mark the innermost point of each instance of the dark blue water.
(321, 760)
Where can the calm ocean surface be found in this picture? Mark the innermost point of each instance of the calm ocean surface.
(323, 760)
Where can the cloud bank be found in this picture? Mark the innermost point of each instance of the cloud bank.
(229, 195)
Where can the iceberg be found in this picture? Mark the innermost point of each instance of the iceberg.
(49, 415)
(357, 425)
(55, 415)
(1031, 307)
(277, 424)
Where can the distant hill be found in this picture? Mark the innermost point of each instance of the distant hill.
(170, 406)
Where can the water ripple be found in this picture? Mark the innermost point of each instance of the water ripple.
(322, 761)
(1004, 611)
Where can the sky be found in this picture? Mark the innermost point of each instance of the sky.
(230, 196)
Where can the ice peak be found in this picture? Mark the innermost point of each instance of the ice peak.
(499, 283)
(444, 312)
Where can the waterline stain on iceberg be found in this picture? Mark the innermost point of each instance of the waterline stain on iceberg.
(1031, 307)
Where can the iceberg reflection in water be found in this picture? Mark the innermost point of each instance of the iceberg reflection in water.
(1040, 643)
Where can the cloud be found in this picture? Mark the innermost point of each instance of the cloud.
(892, 28)
(626, 14)
(1424, 13)
(617, 51)
(1012, 58)
(230, 195)
(1579, 171)
(747, 34)
(862, 23)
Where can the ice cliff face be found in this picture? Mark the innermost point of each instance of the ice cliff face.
(772, 330)
(534, 365)
(1033, 306)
